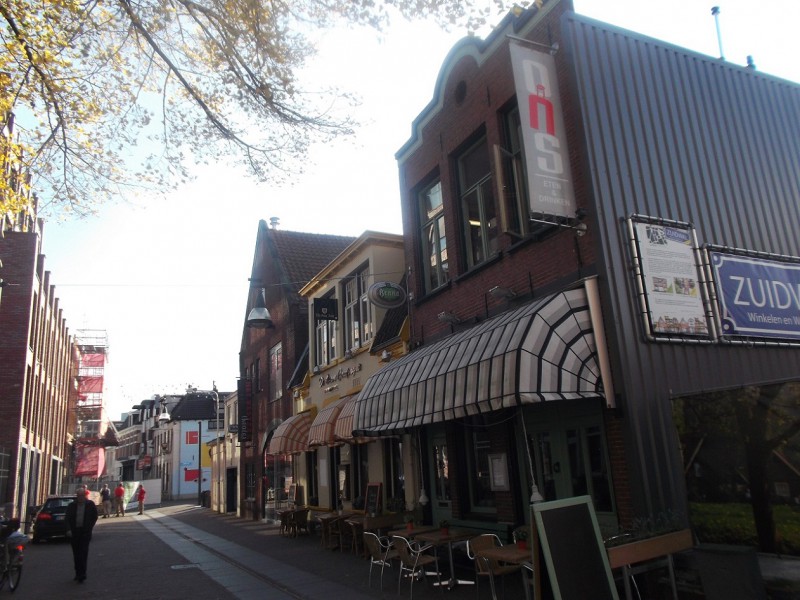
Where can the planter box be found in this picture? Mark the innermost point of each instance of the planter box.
(650, 548)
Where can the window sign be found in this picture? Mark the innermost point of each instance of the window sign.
(669, 279)
(757, 296)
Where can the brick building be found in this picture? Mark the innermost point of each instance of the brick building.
(36, 372)
(283, 262)
(568, 224)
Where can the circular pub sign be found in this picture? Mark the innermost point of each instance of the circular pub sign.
(386, 294)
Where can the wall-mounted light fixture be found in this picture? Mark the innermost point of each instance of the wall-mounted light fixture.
(448, 317)
(386, 356)
(259, 316)
(502, 292)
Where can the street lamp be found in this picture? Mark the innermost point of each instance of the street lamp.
(199, 464)
(217, 447)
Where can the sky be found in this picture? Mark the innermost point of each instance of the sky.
(167, 278)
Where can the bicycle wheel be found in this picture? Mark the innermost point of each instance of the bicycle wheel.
(14, 575)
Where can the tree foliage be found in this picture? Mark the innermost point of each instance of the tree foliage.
(113, 95)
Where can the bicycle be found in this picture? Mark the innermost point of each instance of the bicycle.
(12, 555)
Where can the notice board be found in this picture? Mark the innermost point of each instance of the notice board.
(576, 558)
(372, 503)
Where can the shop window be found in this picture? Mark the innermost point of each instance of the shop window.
(360, 455)
(476, 190)
(481, 495)
(441, 474)
(312, 474)
(433, 237)
(359, 328)
(394, 476)
(249, 481)
(275, 372)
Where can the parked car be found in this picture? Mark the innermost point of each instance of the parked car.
(50, 521)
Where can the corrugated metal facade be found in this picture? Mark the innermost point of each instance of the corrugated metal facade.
(675, 135)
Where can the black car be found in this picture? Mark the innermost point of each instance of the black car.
(51, 519)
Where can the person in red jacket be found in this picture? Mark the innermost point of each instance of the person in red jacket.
(119, 499)
(140, 494)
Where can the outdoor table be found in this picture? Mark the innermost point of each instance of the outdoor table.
(437, 537)
(511, 554)
(325, 520)
(404, 532)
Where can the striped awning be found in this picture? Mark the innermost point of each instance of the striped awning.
(322, 429)
(291, 436)
(541, 351)
(344, 424)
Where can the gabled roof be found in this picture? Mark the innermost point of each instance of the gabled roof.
(302, 255)
(194, 406)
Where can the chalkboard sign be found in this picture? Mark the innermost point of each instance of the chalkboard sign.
(573, 550)
(372, 504)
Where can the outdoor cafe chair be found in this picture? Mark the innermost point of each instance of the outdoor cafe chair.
(298, 521)
(485, 567)
(413, 559)
(380, 552)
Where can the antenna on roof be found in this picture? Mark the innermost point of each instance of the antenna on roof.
(715, 12)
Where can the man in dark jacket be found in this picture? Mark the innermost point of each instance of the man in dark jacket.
(81, 517)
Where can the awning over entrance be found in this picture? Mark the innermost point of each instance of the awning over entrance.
(544, 350)
(344, 424)
(322, 429)
(291, 436)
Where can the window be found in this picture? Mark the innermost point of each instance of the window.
(516, 205)
(394, 477)
(441, 473)
(481, 495)
(477, 204)
(433, 237)
(325, 342)
(312, 479)
(249, 481)
(359, 328)
(275, 372)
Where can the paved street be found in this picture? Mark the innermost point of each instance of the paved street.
(181, 551)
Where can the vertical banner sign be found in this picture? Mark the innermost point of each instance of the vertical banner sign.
(670, 279)
(757, 297)
(245, 399)
(544, 139)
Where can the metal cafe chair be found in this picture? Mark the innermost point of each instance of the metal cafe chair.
(379, 552)
(485, 567)
(413, 560)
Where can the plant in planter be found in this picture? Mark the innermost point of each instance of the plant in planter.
(647, 539)
(408, 518)
(444, 526)
(521, 537)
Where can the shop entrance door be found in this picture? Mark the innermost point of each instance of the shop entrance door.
(568, 447)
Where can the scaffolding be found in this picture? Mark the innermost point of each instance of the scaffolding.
(93, 429)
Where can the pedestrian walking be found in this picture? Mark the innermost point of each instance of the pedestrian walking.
(105, 496)
(140, 495)
(81, 516)
(119, 499)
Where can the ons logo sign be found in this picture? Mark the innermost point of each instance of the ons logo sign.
(386, 294)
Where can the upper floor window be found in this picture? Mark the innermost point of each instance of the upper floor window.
(433, 237)
(358, 324)
(516, 205)
(477, 204)
(275, 372)
(325, 342)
